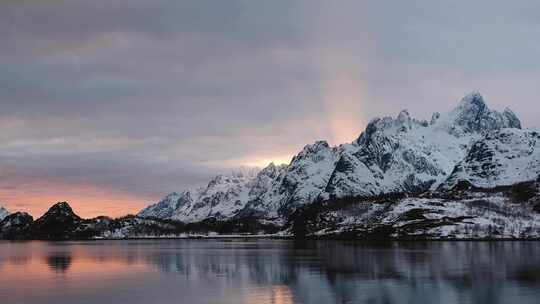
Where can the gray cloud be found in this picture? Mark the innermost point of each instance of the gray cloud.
(147, 97)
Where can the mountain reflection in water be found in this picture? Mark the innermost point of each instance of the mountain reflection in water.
(269, 271)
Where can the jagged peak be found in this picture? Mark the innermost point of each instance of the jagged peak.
(473, 115)
(509, 111)
(235, 176)
(473, 98)
(271, 169)
(175, 195)
(271, 165)
(315, 147)
(434, 117)
(402, 123)
(3, 212)
(312, 151)
(470, 106)
(61, 208)
(240, 173)
(319, 143)
(403, 115)
(512, 118)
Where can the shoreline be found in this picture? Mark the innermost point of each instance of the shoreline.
(278, 237)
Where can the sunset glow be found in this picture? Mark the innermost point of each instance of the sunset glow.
(87, 200)
(344, 102)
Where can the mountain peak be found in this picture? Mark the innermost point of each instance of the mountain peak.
(512, 118)
(272, 169)
(61, 206)
(3, 213)
(474, 97)
(309, 151)
(61, 209)
(473, 115)
(404, 115)
(472, 103)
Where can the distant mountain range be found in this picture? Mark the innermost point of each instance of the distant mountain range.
(470, 173)
(471, 153)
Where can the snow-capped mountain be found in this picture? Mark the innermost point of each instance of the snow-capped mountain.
(223, 197)
(409, 155)
(393, 155)
(3, 213)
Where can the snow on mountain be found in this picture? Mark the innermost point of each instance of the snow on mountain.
(473, 115)
(3, 213)
(409, 155)
(223, 197)
(486, 215)
(502, 158)
(392, 155)
(299, 183)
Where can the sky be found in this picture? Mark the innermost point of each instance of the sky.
(112, 104)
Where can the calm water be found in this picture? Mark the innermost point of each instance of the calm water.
(268, 271)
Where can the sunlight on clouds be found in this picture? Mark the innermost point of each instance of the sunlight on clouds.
(343, 99)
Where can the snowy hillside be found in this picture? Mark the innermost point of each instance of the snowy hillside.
(491, 215)
(393, 155)
(501, 158)
(223, 197)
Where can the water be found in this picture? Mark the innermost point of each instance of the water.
(268, 271)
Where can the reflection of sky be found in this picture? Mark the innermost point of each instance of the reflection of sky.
(111, 105)
(269, 272)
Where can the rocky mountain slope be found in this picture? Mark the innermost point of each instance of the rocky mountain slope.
(501, 158)
(506, 212)
(393, 155)
(223, 197)
(3, 213)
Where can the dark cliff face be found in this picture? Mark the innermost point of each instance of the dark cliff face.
(58, 222)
